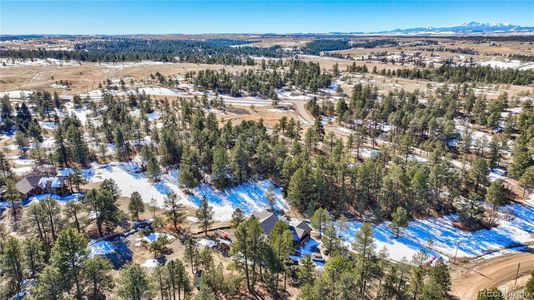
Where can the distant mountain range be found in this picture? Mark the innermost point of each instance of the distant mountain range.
(471, 27)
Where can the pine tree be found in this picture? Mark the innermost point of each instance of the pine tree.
(318, 130)
(306, 271)
(237, 217)
(11, 194)
(136, 205)
(497, 194)
(52, 210)
(133, 283)
(10, 263)
(439, 273)
(319, 220)
(297, 191)
(399, 219)
(77, 145)
(242, 251)
(527, 179)
(174, 210)
(96, 277)
(35, 226)
(178, 279)
(205, 292)
(204, 215)
(62, 152)
(521, 157)
(220, 169)
(270, 196)
(49, 285)
(239, 159)
(191, 254)
(331, 239)
(102, 203)
(4, 165)
(71, 212)
(281, 242)
(33, 256)
(363, 245)
(159, 246)
(478, 174)
(68, 255)
(160, 278)
(76, 178)
(22, 141)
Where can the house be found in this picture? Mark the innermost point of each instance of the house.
(300, 231)
(32, 185)
(267, 220)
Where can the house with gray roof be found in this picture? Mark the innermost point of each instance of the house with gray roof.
(300, 232)
(34, 185)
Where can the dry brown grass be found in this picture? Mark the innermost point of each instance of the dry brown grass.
(86, 76)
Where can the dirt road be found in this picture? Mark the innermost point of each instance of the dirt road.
(466, 282)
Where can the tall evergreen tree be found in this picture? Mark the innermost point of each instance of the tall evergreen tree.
(204, 215)
(133, 283)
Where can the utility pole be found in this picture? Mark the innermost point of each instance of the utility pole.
(456, 252)
(517, 273)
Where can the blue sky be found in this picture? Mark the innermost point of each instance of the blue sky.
(267, 16)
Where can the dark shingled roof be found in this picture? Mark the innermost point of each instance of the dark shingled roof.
(27, 184)
(304, 226)
(266, 220)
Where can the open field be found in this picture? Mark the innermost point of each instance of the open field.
(86, 76)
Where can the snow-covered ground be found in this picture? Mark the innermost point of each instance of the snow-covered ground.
(514, 64)
(438, 236)
(128, 182)
(158, 91)
(9, 62)
(475, 134)
(530, 199)
(418, 158)
(151, 263)
(497, 173)
(19, 94)
(152, 237)
(366, 152)
(249, 196)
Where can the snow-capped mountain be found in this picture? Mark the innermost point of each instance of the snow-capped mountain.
(470, 27)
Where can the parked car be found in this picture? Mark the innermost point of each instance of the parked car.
(317, 257)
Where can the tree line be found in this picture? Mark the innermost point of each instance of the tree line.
(128, 49)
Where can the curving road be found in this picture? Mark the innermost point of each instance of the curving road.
(467, 281)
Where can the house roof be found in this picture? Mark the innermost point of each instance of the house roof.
(304, 226)
(266, 220)
(51, 182)
(28, 183)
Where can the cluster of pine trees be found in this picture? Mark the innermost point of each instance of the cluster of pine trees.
(460, 74)
(299, 74)
(51, 260)
(126, 49)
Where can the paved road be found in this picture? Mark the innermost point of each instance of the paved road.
(491, 273)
